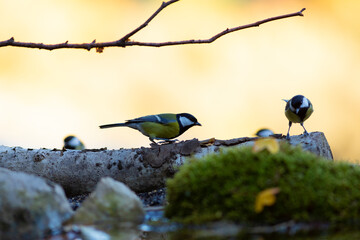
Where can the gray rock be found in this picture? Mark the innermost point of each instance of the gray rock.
(30, 206)
(316, 143)
(112, 202)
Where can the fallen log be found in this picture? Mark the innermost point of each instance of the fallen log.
(142, 169)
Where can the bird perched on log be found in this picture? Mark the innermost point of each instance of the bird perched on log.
(164, 126)
(297, 110)
(72, 142)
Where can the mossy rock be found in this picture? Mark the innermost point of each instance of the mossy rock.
(224, 186)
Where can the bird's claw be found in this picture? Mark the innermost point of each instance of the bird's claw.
(167, 141)
(288, 136)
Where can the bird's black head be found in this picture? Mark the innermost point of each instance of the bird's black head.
(186, 121)
(71, 142)
(68, 139)
(298, 100)
(301, 106)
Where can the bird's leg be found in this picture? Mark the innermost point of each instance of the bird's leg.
(288, 133)
(305, 132)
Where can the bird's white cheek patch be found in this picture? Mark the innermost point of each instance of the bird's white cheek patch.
(74, 142)
(305, 103)
(185, 121)
(292, 108)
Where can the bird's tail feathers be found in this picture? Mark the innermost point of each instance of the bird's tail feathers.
(113, 125)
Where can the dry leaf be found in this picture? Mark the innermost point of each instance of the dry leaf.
(207, 142)
(266, 198)
(99, 49)
(270, 144)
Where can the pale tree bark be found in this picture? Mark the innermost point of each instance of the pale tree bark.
(142, 169)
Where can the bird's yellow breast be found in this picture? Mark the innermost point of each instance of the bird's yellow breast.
(292, 117)
(160, 131)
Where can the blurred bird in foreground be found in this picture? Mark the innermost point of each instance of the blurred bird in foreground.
(160, 127)
(264, 132)
(72, 142)
(297, 110)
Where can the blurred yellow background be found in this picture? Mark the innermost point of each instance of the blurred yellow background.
(233, 86)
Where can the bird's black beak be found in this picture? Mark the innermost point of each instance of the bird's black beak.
(198, 124)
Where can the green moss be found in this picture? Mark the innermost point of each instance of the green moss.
(225, 186)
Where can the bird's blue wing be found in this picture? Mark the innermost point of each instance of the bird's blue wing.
(161, 118)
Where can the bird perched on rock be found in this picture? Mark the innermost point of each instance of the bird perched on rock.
(164, 126)
(297, 110)
(264, 132)
(72, 142)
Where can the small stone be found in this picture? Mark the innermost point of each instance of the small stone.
(111, 202)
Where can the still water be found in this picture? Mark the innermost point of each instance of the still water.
(157, 227)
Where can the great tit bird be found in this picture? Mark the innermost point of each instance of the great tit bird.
(160, 127)
(72, 142)
(297, 110)
(264, 132)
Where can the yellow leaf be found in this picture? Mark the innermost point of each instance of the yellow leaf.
(266, 198)
(207, 142)
(270, 144)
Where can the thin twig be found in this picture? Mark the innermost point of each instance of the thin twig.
(213, 38)
(163, 5)
(125, 41)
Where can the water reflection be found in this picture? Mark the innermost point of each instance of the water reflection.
(157, 227)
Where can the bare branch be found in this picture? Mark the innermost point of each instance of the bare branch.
(125, 41)
(163, 5)
(215, 37)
